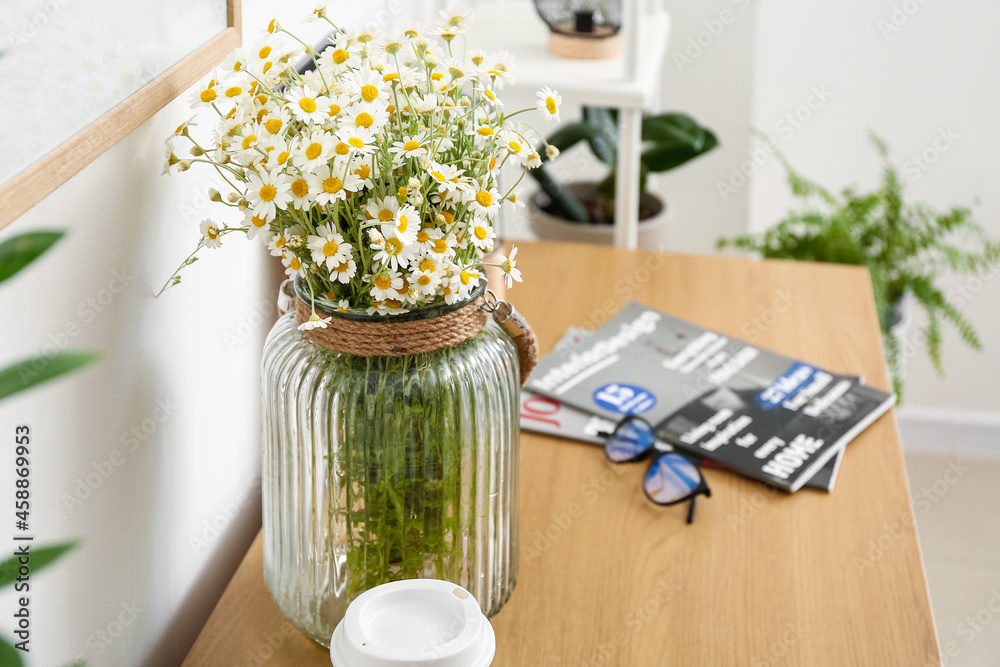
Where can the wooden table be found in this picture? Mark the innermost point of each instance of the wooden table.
(607, 578)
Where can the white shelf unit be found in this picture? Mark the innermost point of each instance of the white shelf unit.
(629, 83)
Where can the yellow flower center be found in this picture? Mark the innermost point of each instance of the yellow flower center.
(300, 188)
(248, 141)
(363, 172)
(437, 76)
(427, 265)
(330, 248)
(363, 119)
(342, 149)
(332, 185)
(313, 150)
(440, 245)
(334, 110)
(391, 76)
(267, 193)
(485, 131)
(424, 280)
(484, 198)
(272, 26)
(340, 56)
(273, 125)
(402, 224)
(515, 147)
(438, 176)
(393, 246)
(283, 157)
(393, 303)
(264, 52)
(369, 92)
(237, 66)
(266, 67)
(208, 95)
(212, 232)
(465, 277)
(258, 222)
(489, 95)
(342, 268)
(294, 263)
(411, 145)
(385, 215)
(423, 236)
(233, 91)
(480, 233)
(382, 281)
(448, 217)
(357, 143)
(307, 104)
(550, 104)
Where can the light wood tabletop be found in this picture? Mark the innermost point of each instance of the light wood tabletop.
(760, 578)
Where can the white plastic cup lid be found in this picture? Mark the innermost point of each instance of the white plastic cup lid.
(414, 623)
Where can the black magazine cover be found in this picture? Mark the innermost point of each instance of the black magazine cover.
(763, 414)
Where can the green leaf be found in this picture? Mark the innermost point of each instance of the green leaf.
(30, 372)
(21, 250)
(9, 656)
(562, 202)
(665, 158)
(676, 130)
(604, 142)
(40, 557)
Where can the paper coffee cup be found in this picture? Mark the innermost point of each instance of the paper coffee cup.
(414, 623)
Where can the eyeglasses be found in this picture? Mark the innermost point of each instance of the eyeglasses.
(672, 478)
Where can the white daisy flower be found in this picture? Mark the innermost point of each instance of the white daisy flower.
(278, 243)
(515, 199)
(370, 85)
(483, 199)
(268, 191)
(306, 106)
(405, 225)
(334, 108)
(344, 305)
(210, 234)
(341, 56)
(548, 104)
(303, 192)
(314, 322)
(456, 14)
(254, 225)
(331, 188)
(365, 168)
(409, 147)
(482, 234)
(294, 267)
(206, 95)
(515, 146)
(383, 210)
(236, 61)
(276, 151)
(425, 282)
(370, 116)
(385, 284)
(358, 139)
(509, 267)
(313, 151)
(393, 252)
(441, 246)
(318, 12)
(276, 121)
(460, 283)
(534, 160)
(344, 272)
(328, 247)
(447, 176)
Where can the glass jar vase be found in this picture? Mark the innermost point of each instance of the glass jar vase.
(380, 468)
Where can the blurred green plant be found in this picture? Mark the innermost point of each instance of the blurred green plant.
(16, 253)
(907, 248)
(670, 139)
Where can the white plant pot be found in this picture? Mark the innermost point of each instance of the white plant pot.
(553, 228)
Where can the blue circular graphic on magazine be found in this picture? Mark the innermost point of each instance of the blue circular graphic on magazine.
(625, 399)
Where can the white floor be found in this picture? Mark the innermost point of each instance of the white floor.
(957, 506)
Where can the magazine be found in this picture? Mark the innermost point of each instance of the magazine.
(763, 414)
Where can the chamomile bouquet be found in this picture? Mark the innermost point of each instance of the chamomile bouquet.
(374, 175)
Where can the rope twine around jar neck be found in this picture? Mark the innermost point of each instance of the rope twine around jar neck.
(395, 338)
(392, 338)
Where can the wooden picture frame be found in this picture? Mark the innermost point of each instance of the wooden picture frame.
(42, 177)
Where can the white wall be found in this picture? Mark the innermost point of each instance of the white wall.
(155, 447)
(913, 71)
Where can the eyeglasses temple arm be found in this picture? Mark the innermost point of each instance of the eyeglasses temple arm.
(691, 509)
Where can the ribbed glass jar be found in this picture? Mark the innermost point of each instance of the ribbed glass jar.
(384, 468)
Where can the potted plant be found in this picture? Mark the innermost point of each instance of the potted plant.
(907, 249)
(584, 211)
(389, 396)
